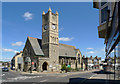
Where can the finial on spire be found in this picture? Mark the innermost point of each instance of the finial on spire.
(49, 9)
(56, 13)
(43, 13)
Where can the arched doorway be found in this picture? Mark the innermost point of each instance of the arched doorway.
(44, 66)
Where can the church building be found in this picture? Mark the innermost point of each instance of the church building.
(47, 54)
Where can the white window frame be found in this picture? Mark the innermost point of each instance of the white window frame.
(100, 9)
(109, 4)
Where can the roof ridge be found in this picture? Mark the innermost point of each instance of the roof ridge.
(67, 45)
(32, 37)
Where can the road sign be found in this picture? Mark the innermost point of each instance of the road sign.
(32, 63)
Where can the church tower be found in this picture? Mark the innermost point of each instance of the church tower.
(50, 37)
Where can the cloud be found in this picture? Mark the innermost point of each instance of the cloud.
(18, 43)
(65, 39)
(103, 49)
(96, 52)
(90, 52)
(28, 16)
(5, 59)
(9, 50)
(61, 29)
(90, 48)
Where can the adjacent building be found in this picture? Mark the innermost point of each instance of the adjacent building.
(90, 63)
(84, 64)
(109, 29)
(17, 61)
(5, 64)
(94, 62)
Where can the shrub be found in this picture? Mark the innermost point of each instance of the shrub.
(69, 69)
(63, 67)
(77, 69)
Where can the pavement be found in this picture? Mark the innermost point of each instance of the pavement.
(101, 77)
(97, 78)
(37, 73)
(86, 77)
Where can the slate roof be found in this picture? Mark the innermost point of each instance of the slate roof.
(36, 45)
(66, 50)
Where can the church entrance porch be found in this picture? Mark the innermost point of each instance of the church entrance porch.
(44, 66)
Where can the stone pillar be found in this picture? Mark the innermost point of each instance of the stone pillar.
(38, 64)
(68, 61)
(41, 69)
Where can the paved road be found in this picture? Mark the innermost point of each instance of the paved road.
(78, 77)
(16, 77)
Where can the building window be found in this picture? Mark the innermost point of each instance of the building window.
(102, 3)
(104, 14)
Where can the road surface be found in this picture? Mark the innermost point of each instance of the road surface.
(74, 77)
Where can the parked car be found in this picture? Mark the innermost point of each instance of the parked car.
(5, 69)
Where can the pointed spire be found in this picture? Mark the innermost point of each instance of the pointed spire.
(43, 13)
(56, 13)
(49, 9)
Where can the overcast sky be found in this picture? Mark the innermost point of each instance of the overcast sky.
(77, 26)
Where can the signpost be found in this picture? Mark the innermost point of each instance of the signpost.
(32, 63)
